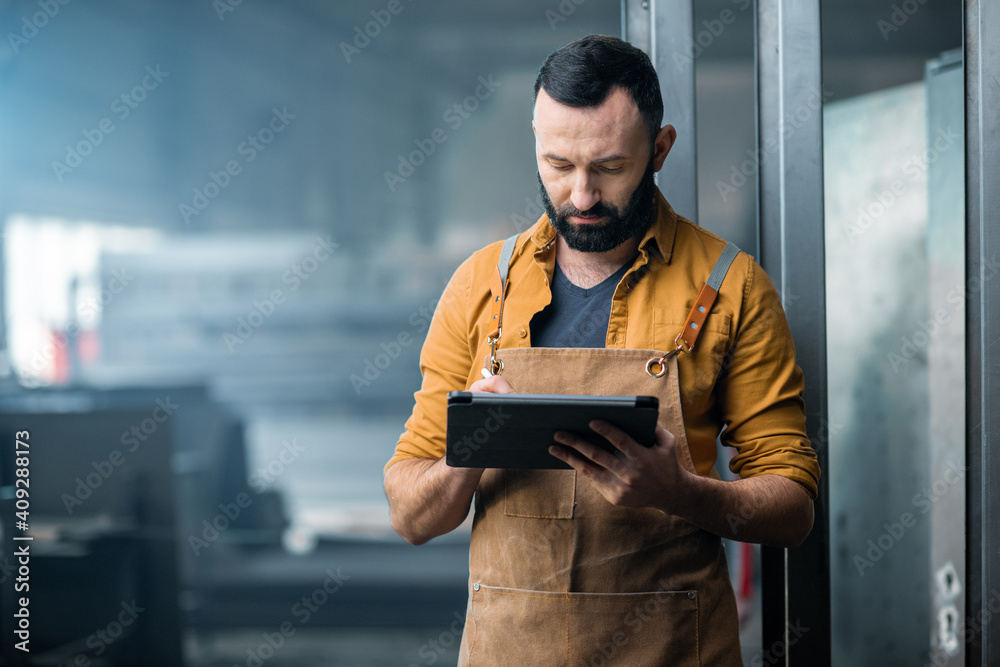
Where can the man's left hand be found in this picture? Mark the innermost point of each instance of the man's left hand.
(767, 508)
(628, 474)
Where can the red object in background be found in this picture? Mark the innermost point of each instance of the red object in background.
(88, 347)
(746, 571)
(60, 358)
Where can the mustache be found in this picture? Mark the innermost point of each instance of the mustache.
(598, 210)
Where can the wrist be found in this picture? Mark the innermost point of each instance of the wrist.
(464, 478)
(686, 496)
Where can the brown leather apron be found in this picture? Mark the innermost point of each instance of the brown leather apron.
(560, 576)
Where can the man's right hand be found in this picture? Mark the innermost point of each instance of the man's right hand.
(427, 497)
(494, 384)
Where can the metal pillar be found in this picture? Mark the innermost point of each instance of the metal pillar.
(982, 186)
(796, 582)
(664, 29)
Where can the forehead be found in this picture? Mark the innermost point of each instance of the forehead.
(614, 125)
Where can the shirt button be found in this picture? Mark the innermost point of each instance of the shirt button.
(522, 333)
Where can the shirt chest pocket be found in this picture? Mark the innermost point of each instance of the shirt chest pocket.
(707, 358)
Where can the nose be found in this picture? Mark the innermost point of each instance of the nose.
(585, 193)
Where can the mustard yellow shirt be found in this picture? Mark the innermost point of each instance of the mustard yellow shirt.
(741, 376)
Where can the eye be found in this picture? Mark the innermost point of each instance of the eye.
(560, 166)
(611, 170)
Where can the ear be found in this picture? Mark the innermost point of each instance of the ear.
(664, 142)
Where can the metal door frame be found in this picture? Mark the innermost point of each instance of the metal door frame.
(982, 329)
(796, 582)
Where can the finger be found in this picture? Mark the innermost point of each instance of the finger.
(494, 384)
(586, 449)
(668, 441)
(664, 438)
(618, 438)
(580, 463)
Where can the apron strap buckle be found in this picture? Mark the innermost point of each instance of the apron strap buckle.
(495, 365)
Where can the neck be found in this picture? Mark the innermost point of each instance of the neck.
(586, 269)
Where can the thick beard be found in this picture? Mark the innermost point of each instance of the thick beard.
(620, 226)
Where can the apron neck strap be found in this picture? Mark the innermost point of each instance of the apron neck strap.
(706, 298)
(685, 339)
(498, 288)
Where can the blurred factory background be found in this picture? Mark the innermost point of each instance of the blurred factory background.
(225, 226)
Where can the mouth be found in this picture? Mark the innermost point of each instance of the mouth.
(586, 219)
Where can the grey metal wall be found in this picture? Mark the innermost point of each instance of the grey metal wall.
(877, 299)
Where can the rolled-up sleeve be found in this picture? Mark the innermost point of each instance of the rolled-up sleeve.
(760, 393)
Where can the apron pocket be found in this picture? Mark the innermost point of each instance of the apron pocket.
(512, 626)
(540, 494)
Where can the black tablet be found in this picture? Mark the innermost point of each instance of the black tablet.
(515, 430)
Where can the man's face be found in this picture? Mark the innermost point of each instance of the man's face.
(595, 170)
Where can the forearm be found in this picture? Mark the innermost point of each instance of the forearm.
(765, 509)
(428, 498)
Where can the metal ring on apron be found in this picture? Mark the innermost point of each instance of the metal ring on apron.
(662, 362)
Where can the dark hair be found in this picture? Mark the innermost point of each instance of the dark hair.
(581, 74)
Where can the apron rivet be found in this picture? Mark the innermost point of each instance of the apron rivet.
(475, 587)
(690, 594)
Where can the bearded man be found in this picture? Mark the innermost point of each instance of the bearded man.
(618, 559)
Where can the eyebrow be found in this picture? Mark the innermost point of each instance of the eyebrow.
(612, 158)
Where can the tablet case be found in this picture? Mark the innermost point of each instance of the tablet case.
(515, 430)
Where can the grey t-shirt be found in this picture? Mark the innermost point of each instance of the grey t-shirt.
(576, 317)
